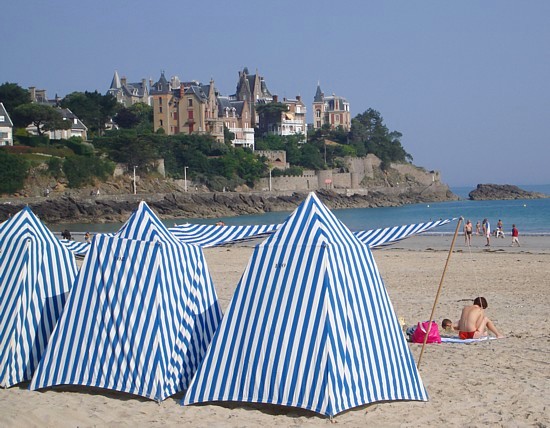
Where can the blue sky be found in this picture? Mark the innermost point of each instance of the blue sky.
(465, 82)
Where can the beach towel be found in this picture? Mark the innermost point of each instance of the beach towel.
(464, 341)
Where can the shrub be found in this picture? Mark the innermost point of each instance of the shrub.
(82, 170)
(13, 171)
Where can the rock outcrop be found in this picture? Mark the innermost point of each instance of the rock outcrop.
(502, 192)
(117, 208)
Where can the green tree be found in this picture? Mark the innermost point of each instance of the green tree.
(92, 108)
(138, 116)
(12, 96)
(369, 134)
(44, 117)
(82, 170)
(13, 171)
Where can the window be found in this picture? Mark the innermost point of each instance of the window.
(190, 102)
(2, 118)
(190, 114)
(160, 109)
(317, 113)
(160, 101)
(160, 123)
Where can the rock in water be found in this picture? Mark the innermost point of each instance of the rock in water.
(485, 192)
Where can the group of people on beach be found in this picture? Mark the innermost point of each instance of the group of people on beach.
(485, 229)
(473, 323)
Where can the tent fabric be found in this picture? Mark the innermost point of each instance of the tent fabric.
(139, 317)
(379, 237)
(75, 247)
(36, 273)
(211, 235)
(310, 325)
(206, 235)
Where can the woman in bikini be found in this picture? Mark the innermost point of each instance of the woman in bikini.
(473, 322)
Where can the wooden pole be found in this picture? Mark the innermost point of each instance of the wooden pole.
(439, 291)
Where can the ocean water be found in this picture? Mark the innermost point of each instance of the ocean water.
(531, 216)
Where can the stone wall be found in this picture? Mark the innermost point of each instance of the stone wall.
(363, 172)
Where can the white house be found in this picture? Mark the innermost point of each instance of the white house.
(77, 129)
(6, 127)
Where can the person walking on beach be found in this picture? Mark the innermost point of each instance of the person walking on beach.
(487, 231)
(500, 229)
(468, 229)
(515, 236)
(473, 323)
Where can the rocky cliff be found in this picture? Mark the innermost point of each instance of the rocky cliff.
(502, 192)
(113, 208)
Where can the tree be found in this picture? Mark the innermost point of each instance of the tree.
(13, 171)
(82, 170)
(44, 117)
(138, 115)
(370, 135)
(92, 108)
(12, 96)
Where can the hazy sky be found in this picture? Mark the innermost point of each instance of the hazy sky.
(465, 82)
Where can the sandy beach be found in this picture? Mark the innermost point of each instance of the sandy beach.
(494, 383)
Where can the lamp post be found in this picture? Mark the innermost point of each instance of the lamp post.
(270, 168)
(135, 187)
(185, 176)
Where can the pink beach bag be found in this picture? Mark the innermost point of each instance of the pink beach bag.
(420, 333)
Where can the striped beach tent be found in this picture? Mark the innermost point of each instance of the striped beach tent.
(375, 238)
(139, 317)
(36, 272)
(75, 247)
(310, 325)
(208, 235)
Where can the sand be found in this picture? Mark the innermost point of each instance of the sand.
(496, 383)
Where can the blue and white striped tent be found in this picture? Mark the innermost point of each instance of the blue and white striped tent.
(36, 272)
(380, 237)
(139, 317)
(208, 235)
(75, 247)
(310, 325)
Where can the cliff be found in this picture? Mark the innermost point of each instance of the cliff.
(502, 192)
(363, 185)
(113, 208)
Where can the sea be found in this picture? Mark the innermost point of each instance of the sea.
(531, 216)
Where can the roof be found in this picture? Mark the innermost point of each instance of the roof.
(318, 98)
(5, 119)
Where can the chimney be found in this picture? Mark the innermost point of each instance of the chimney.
(299, 97)
(123, 81)
(275, 98)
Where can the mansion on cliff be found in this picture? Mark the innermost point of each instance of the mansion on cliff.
(192, 107)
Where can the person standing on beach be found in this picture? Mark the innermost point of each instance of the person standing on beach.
(515, 236)
(487, 231)
(500, 229)
(473, 323)
(478, 228)
(468, 229)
